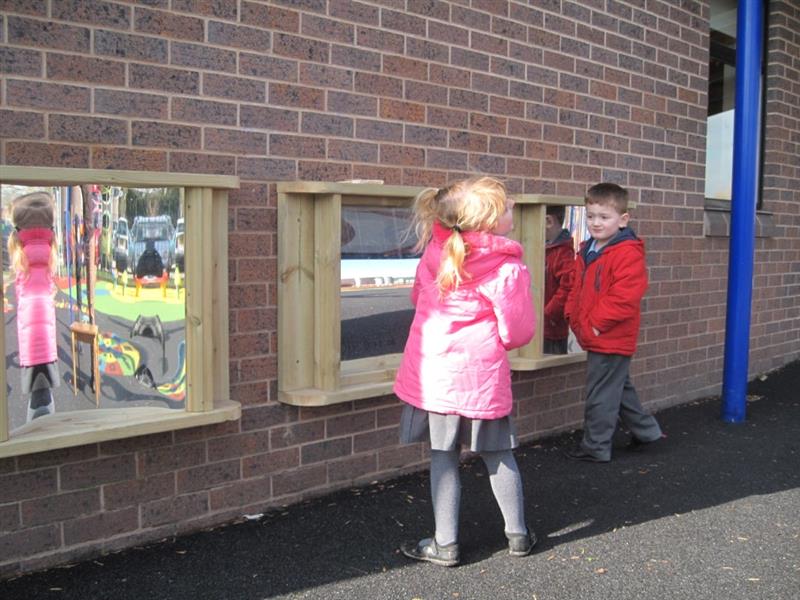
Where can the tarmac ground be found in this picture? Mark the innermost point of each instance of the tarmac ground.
(711, 512)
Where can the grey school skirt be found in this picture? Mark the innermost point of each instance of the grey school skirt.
(454, 432)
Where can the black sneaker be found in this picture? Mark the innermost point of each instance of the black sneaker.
(579, 453)
(428, 550)
(637, 445)
(521, 544)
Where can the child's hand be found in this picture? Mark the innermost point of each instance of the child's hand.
(595, 331)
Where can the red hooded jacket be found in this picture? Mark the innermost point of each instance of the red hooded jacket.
(559, 270)
(607, 294)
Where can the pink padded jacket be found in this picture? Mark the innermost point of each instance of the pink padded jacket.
(455, 359)
(36, 314)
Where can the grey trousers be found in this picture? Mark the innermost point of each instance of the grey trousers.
(611, 395)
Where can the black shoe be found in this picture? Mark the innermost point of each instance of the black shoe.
(521, 544)
(581, 454)
(428, 550)
(637, 445)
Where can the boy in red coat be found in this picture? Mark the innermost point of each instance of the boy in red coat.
(603, 310)
(559, 269)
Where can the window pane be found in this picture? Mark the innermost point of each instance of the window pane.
(117, 278)
(721, 100)
(378, 266)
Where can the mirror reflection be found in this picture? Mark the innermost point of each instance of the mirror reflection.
(93, 299)
(565, 229)
(377, 270)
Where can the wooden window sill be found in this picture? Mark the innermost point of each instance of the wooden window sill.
(76, 428)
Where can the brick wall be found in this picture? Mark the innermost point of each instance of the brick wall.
(553, 96)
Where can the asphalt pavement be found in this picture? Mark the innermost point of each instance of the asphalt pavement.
(712, 512)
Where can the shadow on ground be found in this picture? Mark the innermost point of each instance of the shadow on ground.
(332, 541)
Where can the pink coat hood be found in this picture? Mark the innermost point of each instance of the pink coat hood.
(36, 316)
(455, 360)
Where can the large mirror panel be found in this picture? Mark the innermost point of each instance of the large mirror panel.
(378, 265)
(93, 299)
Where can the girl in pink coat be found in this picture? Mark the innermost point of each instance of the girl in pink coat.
(32, 249)
(473, 303)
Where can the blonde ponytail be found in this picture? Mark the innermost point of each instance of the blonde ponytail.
(451, 270)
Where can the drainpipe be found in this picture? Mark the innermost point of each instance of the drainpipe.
(746, 151)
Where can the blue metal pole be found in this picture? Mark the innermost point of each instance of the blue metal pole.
(746, 151)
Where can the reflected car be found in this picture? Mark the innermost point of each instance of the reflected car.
(148, 234)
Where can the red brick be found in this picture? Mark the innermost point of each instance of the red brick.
(234, 88)
(191, 162)
(297, 146)
(264, 117)
(37, 94)
(97, 472)
(95, 12)
(19, 61)
(92, 130)
(9, 517)
(271, 462)
(127, 159)
(46, 155)
(352, 104)
(327, 29)
(203, 111)
(89, 70)
(360, 12)
(352, 469)
(208, 476)
(47, 34)
(21, 125)
(130, 104)
(350, 151)
(298, 433)
(174, 510)
(380, 39)
(236, 446)
(137, 444)
(170, 458)
(48, 509)
(168, 25)
(356, 58)
(223, 9)
(138, 491)
(21, 486)
(164, 79)
(261, 169)
(473, 142)
(296, 96)
(30, 541)
(101, 526)
(131, 47)
(293, 46)
(326, 76)
(402, 111)
(242, 493)
(226, 34)
(29, 7)
(164, 135)
(351, 423)
(270, 17)
(235, 141)
(268, 67)
(257, 319)
(305, 478)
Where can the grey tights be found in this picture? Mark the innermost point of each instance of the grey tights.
(506, 485)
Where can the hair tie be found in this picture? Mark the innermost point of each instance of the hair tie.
(456, 228)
